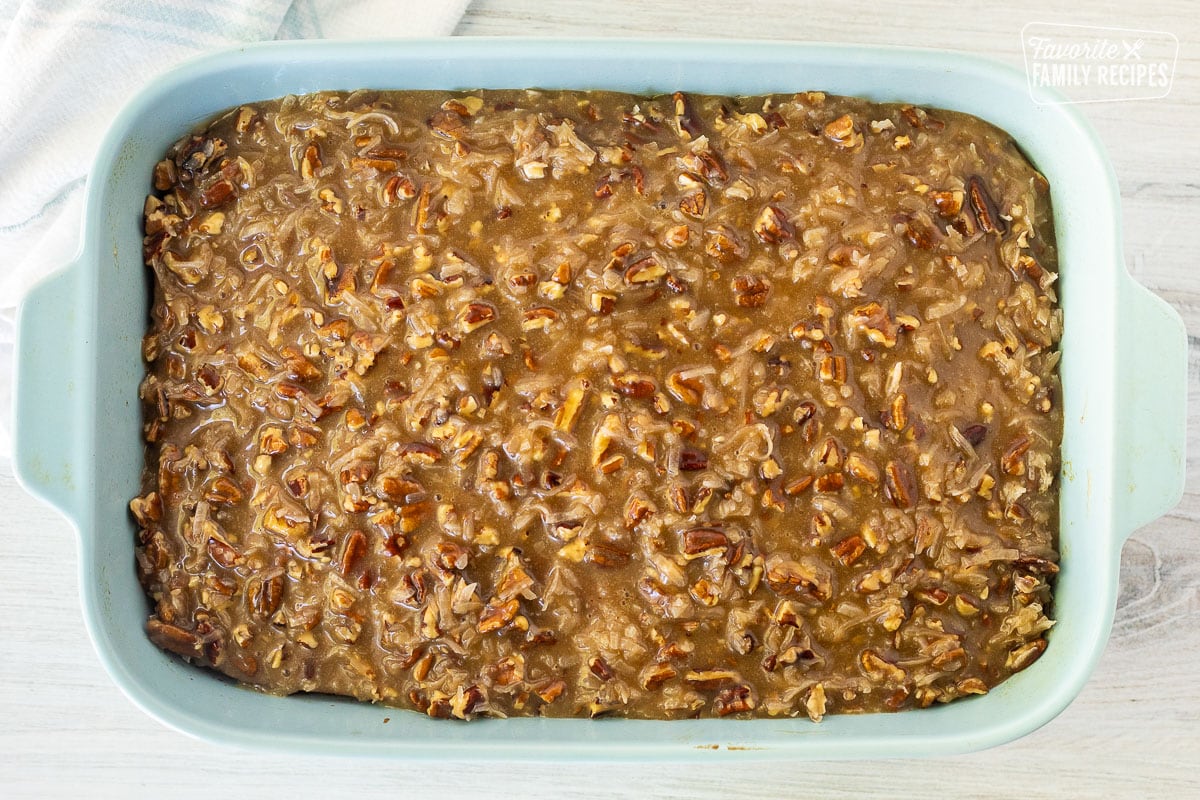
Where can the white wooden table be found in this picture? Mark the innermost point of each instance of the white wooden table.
(66, 730)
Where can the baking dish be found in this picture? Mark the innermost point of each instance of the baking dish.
(78, 419)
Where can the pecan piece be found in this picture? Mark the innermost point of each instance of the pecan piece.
(1012, 461)
(708, 679)
(600, 668)
(833, 369)
(692, 460)
(223, 554)
(704, 541)
(453, 556)
(948, 203)
(899, 486)
(644, 270)
(635, 384)
(920, 119)
(1026, 654)
(975, 433)
(798, 486)
(220, 192)
(685, 390)
(814, 704)
(265, 595)
(896, 414)
(606, 555)
(564, 418)
(297, 367)
(475, 316)
(849, 550)
(772, 226)
(497, 614)
(1036, 566)
(550, 690)
(397, 188)
(539, 319)
(146, 510)
(448, 125)
(859, 467)
(310, 162)
(397, 488)
(920, 234)
(723, 244)
(419, 453)
(173, 638)
(636, 510)
(707, 165)
(830, 482)
(656, 675)
(603, 303)
(694, 204)
(354, 547)
(984, 207)
(807, 579)
(873, 321)
(842, 132)
(880, 670)
(751, 291)
(733, 700)
(685, 117)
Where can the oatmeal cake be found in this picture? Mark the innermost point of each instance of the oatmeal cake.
(583, 403)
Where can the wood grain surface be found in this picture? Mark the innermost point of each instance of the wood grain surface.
(65, 729)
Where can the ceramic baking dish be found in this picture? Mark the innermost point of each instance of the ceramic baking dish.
(78, 420)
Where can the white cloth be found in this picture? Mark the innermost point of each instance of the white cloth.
(67, 67)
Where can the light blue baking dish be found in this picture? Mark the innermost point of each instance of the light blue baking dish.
(78, 419)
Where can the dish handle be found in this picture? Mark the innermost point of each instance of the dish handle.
(1152, 393)
(47, 404)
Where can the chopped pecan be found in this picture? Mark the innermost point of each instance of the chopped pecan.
(174, 638)
(751, 291)
(704, 541)
(733, 700)
(265, 595)
(707, 165)
(806, 579)
(899, 485)
(842, 132)
(448, 124)
(354, 547)
(606, 555)
(645, 270)
(497, 614)
(984, 207)
(948, 203)
(656, 675)
(1012, 460)
(475, 316)
(692, 460)
(708, 679)
(874, 322)
(600, 668)
(694, 204)
(880, 670)
(772, 226)
(635, 384)
(975, 433)
(310, 162)
(723, 244)
(849, 550)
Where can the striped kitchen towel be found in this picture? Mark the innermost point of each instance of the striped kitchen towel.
(67, 67)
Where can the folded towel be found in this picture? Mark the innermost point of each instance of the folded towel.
(70, 65)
